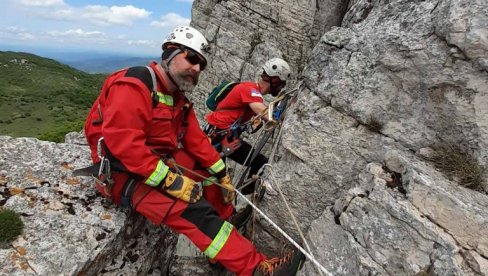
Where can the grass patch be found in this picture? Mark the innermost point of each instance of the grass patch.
(58, 133)
(373, 124)
(459, 166)
(11, 226)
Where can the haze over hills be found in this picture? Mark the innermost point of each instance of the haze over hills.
(105, 64)
(43, 98)
(89, 61)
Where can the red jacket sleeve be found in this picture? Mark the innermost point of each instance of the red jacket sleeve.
(126, 115)
(198, 146)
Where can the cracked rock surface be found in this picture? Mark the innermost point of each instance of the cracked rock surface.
(69, 229)
(366, 202)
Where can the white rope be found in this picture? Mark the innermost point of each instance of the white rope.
(290, 212)
(271, 159)
(310, 257)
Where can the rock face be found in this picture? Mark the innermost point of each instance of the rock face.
(401, 65)
(366, 201)
(69, 229)
(244, 34)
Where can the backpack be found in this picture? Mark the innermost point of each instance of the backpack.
(219, 93)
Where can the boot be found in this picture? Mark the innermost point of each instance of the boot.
(286, 266)
(215, 265)
(241, 217)
(248, 189)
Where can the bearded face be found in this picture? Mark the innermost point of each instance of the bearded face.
(184, 79)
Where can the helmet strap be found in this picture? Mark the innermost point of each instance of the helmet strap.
(165, 64)
(173, 53)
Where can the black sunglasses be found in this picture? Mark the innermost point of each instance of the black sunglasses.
(194, 58)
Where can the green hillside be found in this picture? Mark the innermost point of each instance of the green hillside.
(43, 98)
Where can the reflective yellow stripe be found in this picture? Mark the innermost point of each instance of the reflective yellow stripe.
(207, 182)
(219, 241)
(165, 99)
(217, 167)
(158, 175)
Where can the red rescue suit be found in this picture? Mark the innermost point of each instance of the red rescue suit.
(138, 129)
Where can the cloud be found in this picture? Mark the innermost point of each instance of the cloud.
(13, 33)
(96, 14)
(150, 43)
(77, 32)
(170, 21)
(16, 33)
(79, 35)
(114, 15)
(41, 3)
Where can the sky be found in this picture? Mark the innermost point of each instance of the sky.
(128, 26)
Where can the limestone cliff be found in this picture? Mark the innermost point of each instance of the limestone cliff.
(381, 82)
(385, 81)
(69, 229)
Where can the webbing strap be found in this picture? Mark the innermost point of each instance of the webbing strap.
(128, 190)
(154, 94)
(153, 77)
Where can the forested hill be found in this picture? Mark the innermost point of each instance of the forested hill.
(43, 98)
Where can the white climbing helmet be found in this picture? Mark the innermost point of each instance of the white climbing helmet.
(276, 67)
(188, 37)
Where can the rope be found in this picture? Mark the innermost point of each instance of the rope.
(310, 257)
(271, 125)
(268, 126)
(281, 231)
(242, 169)
(289, 211)
(275, 145)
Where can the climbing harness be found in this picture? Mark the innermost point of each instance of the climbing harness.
(104, 179)
(275, 116)
(225, 141)
(100, 172)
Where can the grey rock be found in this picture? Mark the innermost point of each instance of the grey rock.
(244, 34)
(397, 66)
(382, 80)
(69, 229)
(77, 138)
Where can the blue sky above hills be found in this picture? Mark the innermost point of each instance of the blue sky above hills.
(133, 27)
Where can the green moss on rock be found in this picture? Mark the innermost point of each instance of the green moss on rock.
(11, 226)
